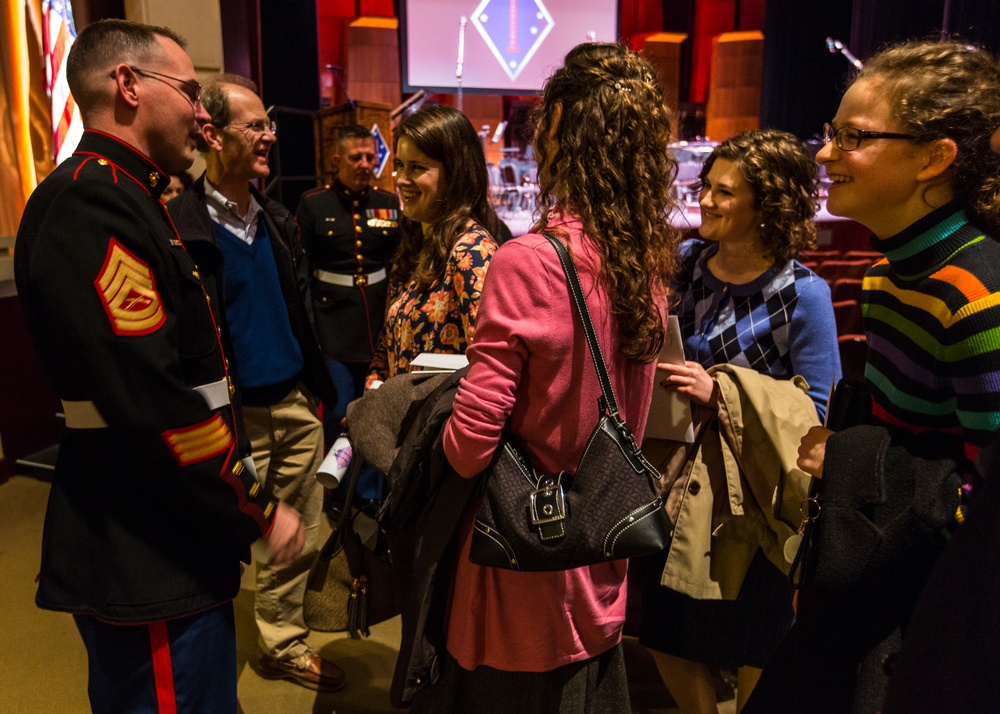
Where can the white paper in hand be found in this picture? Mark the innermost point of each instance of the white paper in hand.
(437, 362)
(670, 413)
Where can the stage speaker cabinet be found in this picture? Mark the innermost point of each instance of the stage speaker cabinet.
(734, 85)
(663, 52)
(368, 115)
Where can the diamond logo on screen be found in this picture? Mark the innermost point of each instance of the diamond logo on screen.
(513, 30)
(381, 150)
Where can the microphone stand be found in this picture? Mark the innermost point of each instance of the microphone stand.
(461, 59)
(340, 83)
(838, 46)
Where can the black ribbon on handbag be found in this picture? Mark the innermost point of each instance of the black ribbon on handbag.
(350, 585)
(607, 510)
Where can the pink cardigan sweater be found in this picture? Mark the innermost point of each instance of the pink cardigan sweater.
(530, 361)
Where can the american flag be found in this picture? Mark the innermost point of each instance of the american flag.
(58, 34)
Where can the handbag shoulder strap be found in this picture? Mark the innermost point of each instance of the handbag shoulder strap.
(608, 402)
(333, 543)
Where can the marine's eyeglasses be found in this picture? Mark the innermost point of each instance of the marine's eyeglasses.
(189, 88)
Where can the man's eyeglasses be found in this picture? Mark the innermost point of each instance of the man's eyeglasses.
(190, 88)
(257, 127)
(848, 138)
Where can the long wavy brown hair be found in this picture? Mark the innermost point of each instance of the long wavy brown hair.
(950, 90)
(784, 182)
(444, 134)
(608, 165)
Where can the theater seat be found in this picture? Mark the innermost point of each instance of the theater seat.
(834, 270)
(872, 255)
(846, 289)
(818, 256)
(847, 313)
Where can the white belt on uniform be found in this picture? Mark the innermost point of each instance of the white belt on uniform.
(348, 281)
(86, 415)
(216, 394)
(82, 415)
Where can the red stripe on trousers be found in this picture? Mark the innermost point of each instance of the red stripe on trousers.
(163, 670)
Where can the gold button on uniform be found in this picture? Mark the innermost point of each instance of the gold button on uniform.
(357, 229)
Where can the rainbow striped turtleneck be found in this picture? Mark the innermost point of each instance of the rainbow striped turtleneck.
(932, 319)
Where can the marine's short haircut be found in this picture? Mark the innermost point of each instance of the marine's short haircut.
(103, 44)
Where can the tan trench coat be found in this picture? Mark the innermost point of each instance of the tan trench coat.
(737, 488)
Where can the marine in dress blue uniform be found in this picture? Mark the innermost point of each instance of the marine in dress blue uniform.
(350, 237)
(151, 507)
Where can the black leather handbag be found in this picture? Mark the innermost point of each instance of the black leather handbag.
(350, 584)
(607, 510)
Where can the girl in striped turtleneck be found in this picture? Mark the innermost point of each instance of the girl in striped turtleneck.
(909, 157)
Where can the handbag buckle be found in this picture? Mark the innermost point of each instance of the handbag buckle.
(548, 507)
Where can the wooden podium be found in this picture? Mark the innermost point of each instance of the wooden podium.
(367, 114)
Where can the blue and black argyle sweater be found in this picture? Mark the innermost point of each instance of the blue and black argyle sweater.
(780, 324)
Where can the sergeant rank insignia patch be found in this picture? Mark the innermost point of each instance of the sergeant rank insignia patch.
(199, 442)
(128, 293)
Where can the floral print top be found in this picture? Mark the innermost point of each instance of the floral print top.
(441, 318)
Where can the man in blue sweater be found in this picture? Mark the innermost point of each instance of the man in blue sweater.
(249, 256)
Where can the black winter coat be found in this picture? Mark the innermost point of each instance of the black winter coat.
(887, 500)
(426, 503)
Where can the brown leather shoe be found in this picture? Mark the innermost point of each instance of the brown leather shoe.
(309, 670)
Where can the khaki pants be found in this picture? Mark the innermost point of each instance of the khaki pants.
(287, 441)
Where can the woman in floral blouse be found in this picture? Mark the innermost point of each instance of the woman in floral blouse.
(449, 230)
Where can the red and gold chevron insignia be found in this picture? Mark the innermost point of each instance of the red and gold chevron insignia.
(199, 442)
(128, 292)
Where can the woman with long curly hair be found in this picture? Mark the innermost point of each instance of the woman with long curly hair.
(449, 233)
(745, 300)
(551, 641)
